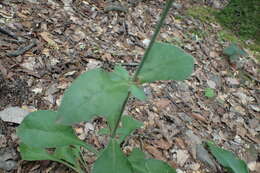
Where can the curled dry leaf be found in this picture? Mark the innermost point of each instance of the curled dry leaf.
(154, 151)
(199, 117)
(163, 144)
(162, 103)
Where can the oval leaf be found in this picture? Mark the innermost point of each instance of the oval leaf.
(32, 153)
(39, 129)
(138, 92)
(94, 93)
(166, 62)
(158, 166)
(142, 165)
(112, 160)
(137, 160)
(227, 159)
(129, 125)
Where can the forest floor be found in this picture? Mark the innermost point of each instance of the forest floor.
(66, 38)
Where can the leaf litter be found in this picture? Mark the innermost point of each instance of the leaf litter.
(76, 36)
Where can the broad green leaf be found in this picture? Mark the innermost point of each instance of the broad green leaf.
(39, 129)
(104, 131)
(232, 50)
(112, 160)
(33, 153)
(166, 62)
(158, 166)
(129, 125)
(68, 154)
(137, 92)
(94, 93)
(137, 160)
(121, 73)
(142, 165)
(233, 58)
(227, 159)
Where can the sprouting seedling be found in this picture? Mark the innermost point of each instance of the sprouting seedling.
(209, 93)
(234, 52)
(100, 93)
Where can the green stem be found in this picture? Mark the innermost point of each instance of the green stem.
(157, 31)
(70, 166)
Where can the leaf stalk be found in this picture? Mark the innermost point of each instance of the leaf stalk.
(135, 77)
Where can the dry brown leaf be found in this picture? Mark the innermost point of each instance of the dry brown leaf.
(162, 103)
(163, 144)
(3, 69)
(47, 37)
(107, 56)
(199, 117)
(180, 142)
(154, 151)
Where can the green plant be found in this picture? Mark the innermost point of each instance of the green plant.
(48, 135)
(203, 13)
(234, 52)
(227, 159)
(209, 92)
(242, 17)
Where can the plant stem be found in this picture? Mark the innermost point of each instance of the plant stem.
(157, 30)
(156, 33)
(70, 166)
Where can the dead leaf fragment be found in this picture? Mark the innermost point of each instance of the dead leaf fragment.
(182, 156)
(180, 142)
(47, 37)
(162, 103)
(13, 114)
(199, 117)
(154, 151)
(163, 144)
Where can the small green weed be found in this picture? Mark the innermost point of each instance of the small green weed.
(242, 17)
(48, 135)
(101, 93)
(234, 52)
(227, 159)
(209, 93)
(204, 14)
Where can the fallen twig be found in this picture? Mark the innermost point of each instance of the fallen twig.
(22, 50)
(9, 33)
(115, 7)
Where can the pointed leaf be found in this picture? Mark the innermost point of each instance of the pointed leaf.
(112, 160)
(142, 165)
(129, 125)
(68, 154)
(39, 129)
(158, 166)
(137, 92)
(122, 73)
(104, 131)
(137, 160)
(166, 62)
(233, 49)
(227, 159)
(94, 93)
(33, 153)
